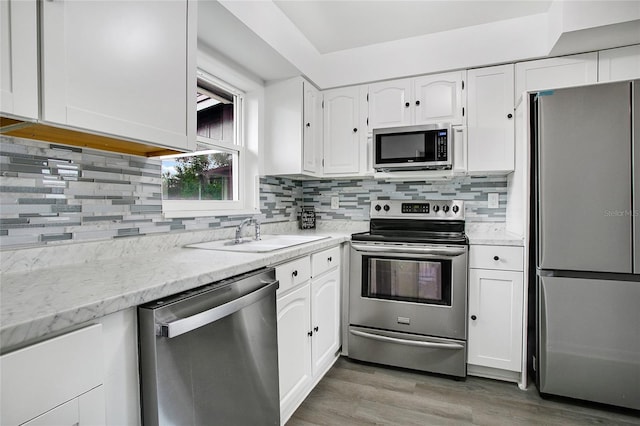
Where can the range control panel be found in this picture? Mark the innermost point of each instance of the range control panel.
(425, 209)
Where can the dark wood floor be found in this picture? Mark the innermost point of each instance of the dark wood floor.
(354, 393)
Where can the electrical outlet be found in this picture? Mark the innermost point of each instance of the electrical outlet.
(335, 202)
(494, 200)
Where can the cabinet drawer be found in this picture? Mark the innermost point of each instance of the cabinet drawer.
(496, 257)
(324, 260)
(42, 376)
(293, 273)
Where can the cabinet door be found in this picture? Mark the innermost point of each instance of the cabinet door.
(120, 68)
(342, 131)
(495, 335)
(390, 104)
(294, 347)
(565, 71)
(490, 120)
(19, 58)
(438, 98)
(325, 319)
(91, 407)
(312, 132)
(619, 64)
(66, 414)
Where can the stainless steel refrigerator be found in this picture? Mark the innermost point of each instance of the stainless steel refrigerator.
(585, 208)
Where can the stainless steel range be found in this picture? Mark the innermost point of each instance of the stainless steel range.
(408, 287)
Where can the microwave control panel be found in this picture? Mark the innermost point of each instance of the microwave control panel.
(441, 145)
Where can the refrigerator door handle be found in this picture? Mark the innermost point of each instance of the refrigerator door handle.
(635, 172)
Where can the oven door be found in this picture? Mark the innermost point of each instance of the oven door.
(409, 288)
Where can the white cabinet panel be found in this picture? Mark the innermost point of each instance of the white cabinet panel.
(292, 274)
(91, 408)
(619, 64)
(564, 71)
(490, 119)
(342, 131)
(312, 132)
(495, 325)
(508, 258)
(19, 58)
(66, 414)
(308, 326)
(325, 260)
(120, 68)
(390, 104)
(438, 98)
(294, 348)
(50, 373)
(325, 319)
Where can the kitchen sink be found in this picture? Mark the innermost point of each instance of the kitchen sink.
(266, 244)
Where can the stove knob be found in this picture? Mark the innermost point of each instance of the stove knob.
(436, 208)
(445, 208)
(377, 207)
(386, 207)
(455, 209)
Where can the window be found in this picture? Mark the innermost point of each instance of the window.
(210, 181)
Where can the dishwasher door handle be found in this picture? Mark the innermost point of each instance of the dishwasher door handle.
(185, 325)
(419, 343)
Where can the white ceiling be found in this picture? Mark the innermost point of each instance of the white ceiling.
(333, 25)
(337, 43)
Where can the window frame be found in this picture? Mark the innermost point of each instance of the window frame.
(244, 187)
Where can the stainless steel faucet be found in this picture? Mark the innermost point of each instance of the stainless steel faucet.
(242, 225)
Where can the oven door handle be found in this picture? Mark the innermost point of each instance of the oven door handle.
(422, 344)
(431, 251)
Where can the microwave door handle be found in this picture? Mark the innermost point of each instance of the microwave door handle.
(440, 251)
(422, 344)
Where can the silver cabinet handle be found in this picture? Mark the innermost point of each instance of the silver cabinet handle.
(440, 251)
(407, 342)
(185, 325)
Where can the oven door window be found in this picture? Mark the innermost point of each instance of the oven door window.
(407, 280)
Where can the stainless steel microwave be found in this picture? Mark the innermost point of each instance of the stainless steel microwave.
(425, 147)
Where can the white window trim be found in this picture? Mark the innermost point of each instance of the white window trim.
(246, 201)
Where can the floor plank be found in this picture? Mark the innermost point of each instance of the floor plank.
(354, 393)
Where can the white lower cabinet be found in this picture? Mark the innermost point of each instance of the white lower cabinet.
(55, 382)
(294, 348)
(308, 325)
(496, 295)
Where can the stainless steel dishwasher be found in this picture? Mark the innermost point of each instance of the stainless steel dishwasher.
(209, 356)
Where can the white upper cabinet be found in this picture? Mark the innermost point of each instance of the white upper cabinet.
(619, 64)
(125, 69)
(312, 133)
(564, 71)
(293, 128)
(390, 104)
(422, 100)
(343, 131)
(490, 119)
(438, 98)
(19, 58)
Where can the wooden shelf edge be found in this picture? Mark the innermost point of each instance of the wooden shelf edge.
(59, 135)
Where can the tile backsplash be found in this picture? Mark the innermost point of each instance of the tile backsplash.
(53, 194)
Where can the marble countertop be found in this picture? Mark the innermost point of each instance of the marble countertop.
(492, 234)
(36, 303)
(48, 290)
